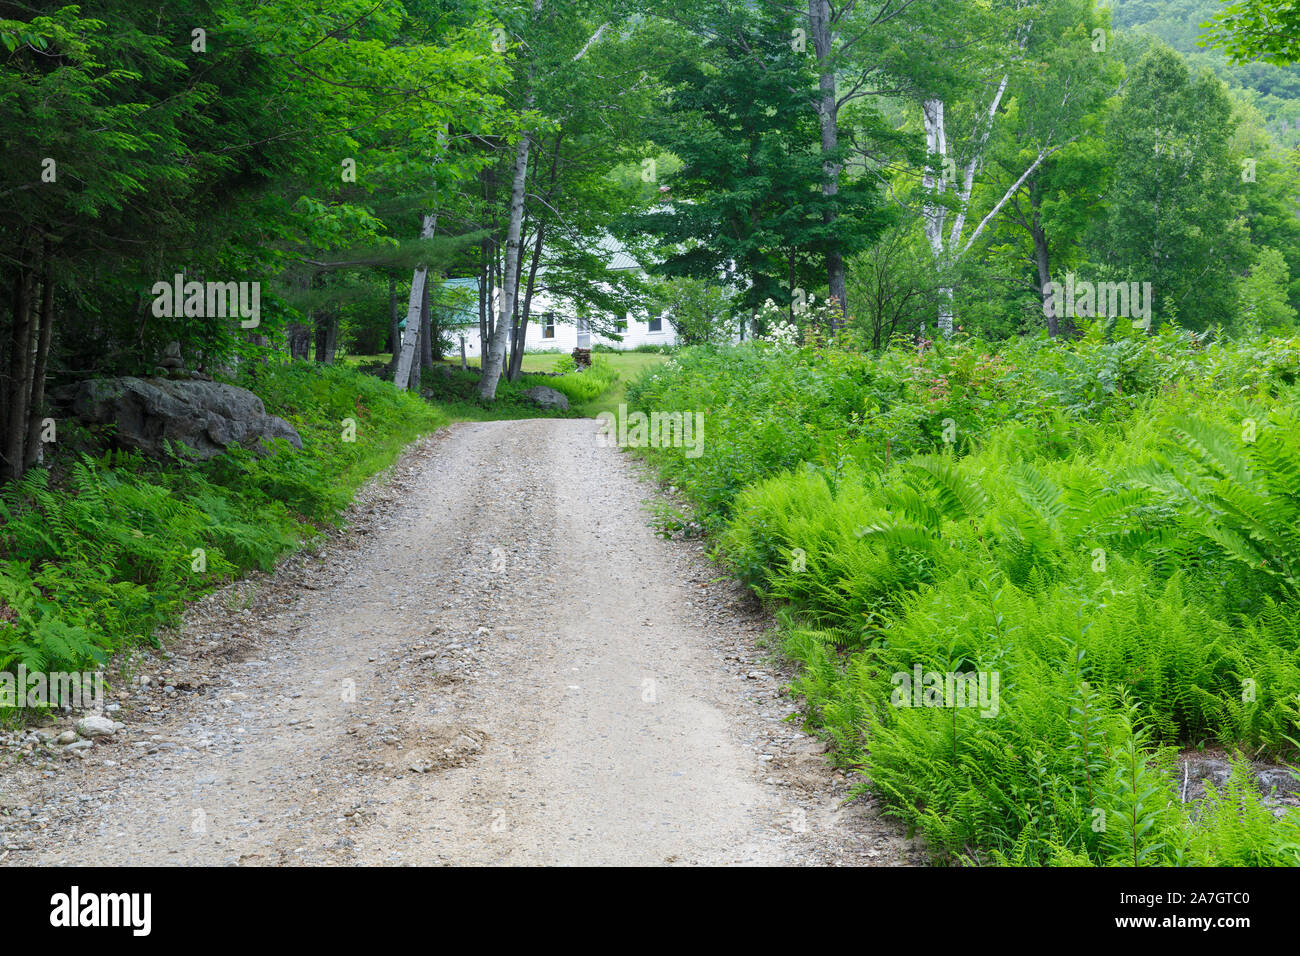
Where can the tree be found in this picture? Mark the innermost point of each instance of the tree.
(748, 208)
(1262, 292)
(552, 61)
(863, 50)
(1267, 30)
(697, 309)
(1068, 75)
(893, 285)
(140, 146)
(1270, 188)
(952, 162)
(1172, 209)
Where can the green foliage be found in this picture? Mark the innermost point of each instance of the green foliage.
(579, 387)
(748, 206)
(1176, 189)
(1262, 292)
(101, 559)
(457, 390)
(1257, 29)
(1109, 527)
(697, 309)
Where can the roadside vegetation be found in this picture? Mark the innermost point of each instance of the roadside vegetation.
(1108, 526)
(100, 548)
(598, 388)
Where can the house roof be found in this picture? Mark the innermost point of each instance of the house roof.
(616, 255)
(469, 282)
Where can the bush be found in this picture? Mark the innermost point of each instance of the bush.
(1107, 528)
(100, 560)
(579, 387)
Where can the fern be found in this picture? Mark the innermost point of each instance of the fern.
(1136, 798)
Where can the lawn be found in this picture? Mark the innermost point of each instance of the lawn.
(628, 365)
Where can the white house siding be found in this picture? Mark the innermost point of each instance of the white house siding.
(566, 337)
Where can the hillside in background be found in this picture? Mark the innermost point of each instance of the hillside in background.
(1274, 90)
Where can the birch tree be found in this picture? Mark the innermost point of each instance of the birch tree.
(857, 46)
(1073, 71)
(948, 178)
(414, 303)
(494, 360)
(547, 59)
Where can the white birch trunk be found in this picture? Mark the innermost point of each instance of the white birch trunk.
(935, 183)
(819, 27)
(411, 336)
(947, 253)
(495, 359)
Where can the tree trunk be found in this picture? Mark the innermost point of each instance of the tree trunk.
(426, 331)
(417, 365)
(945, 310)
(1044, 274)
(935, 213)
(410, 339)
(35, 452)
(492, 362)
(331, 335)
(413, 381)
(485, 280)
(513, 343)
(493, 294)
(299, 336)
(819, 28)
(20, 372)
(517, 360)
(488, 258)
(326, 334)
(394, 325)
(1056, 325)
(516, 367)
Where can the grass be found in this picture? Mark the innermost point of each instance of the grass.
(101, 548)
(627, 364)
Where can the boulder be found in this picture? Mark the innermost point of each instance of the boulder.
(545, 397)
(206, 417)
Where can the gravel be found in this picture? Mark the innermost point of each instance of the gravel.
(496, 662)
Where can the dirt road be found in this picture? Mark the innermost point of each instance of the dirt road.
(496, 663)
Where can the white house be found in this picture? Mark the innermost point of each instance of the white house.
(551, 328)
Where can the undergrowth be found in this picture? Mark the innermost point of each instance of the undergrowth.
(99, 557)
(1110, 529)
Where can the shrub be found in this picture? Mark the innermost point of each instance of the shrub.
(1107, 526)
(110, 553)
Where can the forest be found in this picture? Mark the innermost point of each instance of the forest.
(988, 309)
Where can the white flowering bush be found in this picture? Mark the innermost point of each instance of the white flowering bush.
(811, 319)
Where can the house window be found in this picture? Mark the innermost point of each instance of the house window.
(548, 325)
(621, 324)
(656, 324)
(582, 324)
